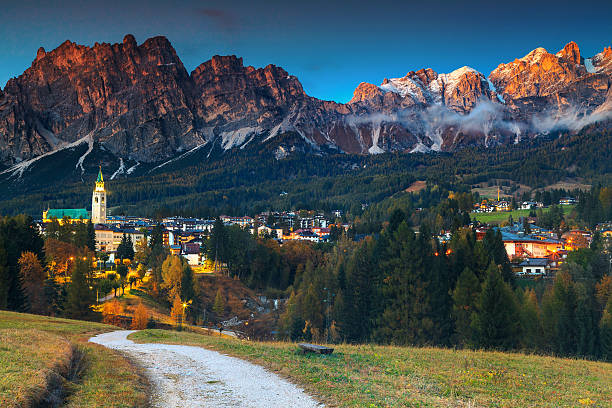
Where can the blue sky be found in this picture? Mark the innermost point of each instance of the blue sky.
(331, 46)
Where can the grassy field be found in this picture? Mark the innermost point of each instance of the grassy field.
(38, 352)
(501, 216)
(386, 376)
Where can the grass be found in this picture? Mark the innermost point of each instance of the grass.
(388, 376)
(38, 351)
(29, 360)
(500, 216)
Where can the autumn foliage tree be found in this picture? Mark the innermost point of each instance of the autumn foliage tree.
(141, 317)
(112, 311)
(177, 310)
(32, 279)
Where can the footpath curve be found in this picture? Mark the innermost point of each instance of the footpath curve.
(186, 376)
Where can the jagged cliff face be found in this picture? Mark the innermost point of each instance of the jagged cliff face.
(132, 98)
(460, 90)
(140, 103)
(541, 81)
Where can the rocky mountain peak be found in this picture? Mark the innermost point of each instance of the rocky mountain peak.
(40, 53)
(129, 41)
(366, 91)
(539, 73)
(602, 62)
(139, 102)
(122, 94)
(571, 53)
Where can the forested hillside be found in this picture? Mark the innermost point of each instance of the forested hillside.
(207, 183)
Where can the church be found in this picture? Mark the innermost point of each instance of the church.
(72, 215)
(108, 233)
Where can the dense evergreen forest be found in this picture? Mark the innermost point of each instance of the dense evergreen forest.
(208, 183)
(401, 286)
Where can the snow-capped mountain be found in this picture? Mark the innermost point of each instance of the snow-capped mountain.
(140, 104)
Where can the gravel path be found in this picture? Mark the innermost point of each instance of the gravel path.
(185, 376)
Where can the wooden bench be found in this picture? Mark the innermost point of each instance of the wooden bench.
(313, 348)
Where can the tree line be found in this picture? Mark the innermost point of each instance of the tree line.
(404, 287)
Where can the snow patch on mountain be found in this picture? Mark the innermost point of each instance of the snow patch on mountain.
(494, 90)
(452, 79)
(444, 84)
(588, 64)
(90, 143)
(420, 148)
(18, 169)
(120, 170)
(237, 137)
(131, 169)
(178, 157)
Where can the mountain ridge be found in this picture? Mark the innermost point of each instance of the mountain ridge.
(141, 104)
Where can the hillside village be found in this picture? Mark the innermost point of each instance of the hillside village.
(534, 251)
(185, 236)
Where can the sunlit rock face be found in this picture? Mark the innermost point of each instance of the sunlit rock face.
(139, 102)
(133, 98)
(545, 82)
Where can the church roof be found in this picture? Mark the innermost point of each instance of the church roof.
(100, 178)
(73, 213)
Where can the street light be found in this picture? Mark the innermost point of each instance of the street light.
(185, 304)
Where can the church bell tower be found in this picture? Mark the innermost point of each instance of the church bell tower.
(98, 201)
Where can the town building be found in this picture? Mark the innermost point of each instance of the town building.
(568, 201)
(242, 221)
(109, 237)
(71, 214)
(520, 245)
(534, 267)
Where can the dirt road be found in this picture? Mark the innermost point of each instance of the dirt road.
(185, 376)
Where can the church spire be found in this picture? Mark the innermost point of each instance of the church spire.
(100, 178)
(100, 181)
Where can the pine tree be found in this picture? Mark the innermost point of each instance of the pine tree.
(531, 321)
(172, 274)
(440, 294)
(465, 297)
(496, 322)
(91, 236)
(358, 315)
(407, 317)
(129, 249)
(605, 332)
(177, 310)
(80, 297)
(219, 303)
(5, 277)
(217, 243)
(17, 234)
(125, 250)
(565, 321)
(494, 246)
(586, 322)
(55, 296)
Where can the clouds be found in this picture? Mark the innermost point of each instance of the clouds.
(572, 118)
(488, 120)
(224, 22)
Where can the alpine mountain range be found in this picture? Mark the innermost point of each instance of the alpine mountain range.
(138, 103)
